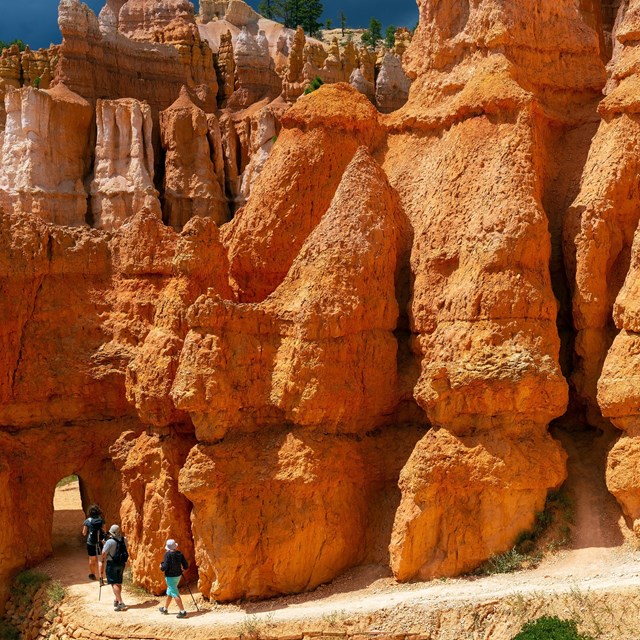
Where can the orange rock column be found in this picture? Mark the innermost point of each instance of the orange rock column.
(467, 156)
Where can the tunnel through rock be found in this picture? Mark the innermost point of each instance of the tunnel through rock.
(68, 516)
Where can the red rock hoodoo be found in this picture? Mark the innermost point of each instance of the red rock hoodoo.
(300, 333)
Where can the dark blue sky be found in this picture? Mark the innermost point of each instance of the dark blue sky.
(35, 21)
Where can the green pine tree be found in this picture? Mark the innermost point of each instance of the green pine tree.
(343, 22)
(272, 9)
(390, 37)
(292, 13)
(5, 45)
(373, 34)
(310, 13)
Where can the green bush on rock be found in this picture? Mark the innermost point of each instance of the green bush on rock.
(550, 628)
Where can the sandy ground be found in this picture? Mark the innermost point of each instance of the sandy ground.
(602, 562)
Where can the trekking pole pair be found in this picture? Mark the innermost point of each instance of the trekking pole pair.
(191, 594)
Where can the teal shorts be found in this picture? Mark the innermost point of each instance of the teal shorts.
(172, 586)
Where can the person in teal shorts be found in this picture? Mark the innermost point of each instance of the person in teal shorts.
(173, 564)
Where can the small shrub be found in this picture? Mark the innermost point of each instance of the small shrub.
(507, 562)
(26, 584)
(29, 582)
(552, 525)
(550, 628)
(55, 592)
(316, 83)
(250, 627)
(8, 631)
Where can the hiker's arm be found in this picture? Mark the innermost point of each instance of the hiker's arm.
(185, 564)
(84, 530)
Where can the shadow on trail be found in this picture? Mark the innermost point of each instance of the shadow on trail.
(147, 604)
(354, 580)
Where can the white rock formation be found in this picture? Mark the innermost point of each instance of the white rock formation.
(45, 154)
(123, 177)
(392, 85)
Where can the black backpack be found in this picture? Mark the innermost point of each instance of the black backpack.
(95, 530)
(121, 555)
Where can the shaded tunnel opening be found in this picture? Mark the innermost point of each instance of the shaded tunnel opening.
(68, 515)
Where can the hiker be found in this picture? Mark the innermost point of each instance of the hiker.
(115, 554)
(173, 564)
(93, 531)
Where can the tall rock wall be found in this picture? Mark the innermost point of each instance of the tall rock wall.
(602, 238)
(139, 56)
(482, 311)
(382, 333)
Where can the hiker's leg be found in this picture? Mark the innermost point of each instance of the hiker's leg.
(179, 603)
(117, 591)
(92, 565)
(167, 602)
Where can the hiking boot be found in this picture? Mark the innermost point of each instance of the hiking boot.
(182, 614)
(92, 576)
(163, 610)
(115, 603)
(121, 607)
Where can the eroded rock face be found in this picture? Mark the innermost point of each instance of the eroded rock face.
(45, 154)
(482, 309)
(286, 469)
(123, 176)
(153, 509)
(604, 237)
(98, 61)
(191, 187)
(254, 72)
(144, 20)
(488, 486)
(375, 333)
(313, 139)
(301, 331)
(392, 84)
(198, 264)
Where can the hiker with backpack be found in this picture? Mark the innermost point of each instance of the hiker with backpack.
(173, 564)
(115, 554)
(93, 531)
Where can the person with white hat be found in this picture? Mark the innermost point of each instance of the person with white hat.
(173, 564)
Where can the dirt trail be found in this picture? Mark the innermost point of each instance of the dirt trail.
(599, 562)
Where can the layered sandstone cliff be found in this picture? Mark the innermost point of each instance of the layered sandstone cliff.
(362, 364)
(602, 235)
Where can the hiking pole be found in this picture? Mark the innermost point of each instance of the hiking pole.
(191, 594)
(99, 567)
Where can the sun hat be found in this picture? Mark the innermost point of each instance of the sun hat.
(171, 545)
(114, 530)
